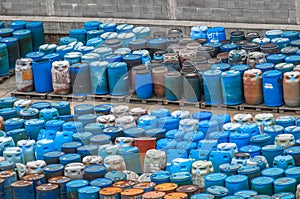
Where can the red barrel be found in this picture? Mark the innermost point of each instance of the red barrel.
(144, 144)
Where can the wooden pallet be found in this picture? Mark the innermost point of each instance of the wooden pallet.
(70, 97)
(196, 104)
(29, 95)
(5, 77)
(285, 109)
(219, 106)
(258, 108)
(153, 100)
(167, 102)
(93, 97)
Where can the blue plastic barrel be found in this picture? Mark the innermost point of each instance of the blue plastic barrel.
(63, 107)
(181, 178)
(293, 173)
(82, 109)
(54, 125)
(118, 78)
(285, 120)
(294, 151)
(95, 42)
(168, 123)
(214, 179)
(103, 109)
(276, 58)
(70, 147)
(228, 47)
(90, 34)
(281, 42)
(232, 90)
(216, 34)
(94, 171)
(240, 67)
(265, 66)
(271, 34)
(212, 87)
(37, 33)
(52, 157)
(13, 123)
(285, 184)
(272, 88)
(99, 78)
(69, 158)
(42, 75)
(8, 113)
(35, 55)
(143, 83)
(25, 41)
(291, 35)
(6, 32)
(73, 186)
(158, 43)
(108, 27)
(79, 34)
(4, 59)
(17, 24)
(236, 183)
(286, 195)
(29, 113)
(79, 76)
(160, 177)
(87, 118)
(66, 40)
(101, 182)
(273, 130)
(263, 185)
(202, 115)
(33, 127)
(63, 50)
(241, 139)
(219, 157)
(13, 50)
(91, 25)
(142, 31)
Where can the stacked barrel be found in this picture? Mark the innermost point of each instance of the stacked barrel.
(49, 150)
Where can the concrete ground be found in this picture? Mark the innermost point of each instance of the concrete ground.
(9, 85)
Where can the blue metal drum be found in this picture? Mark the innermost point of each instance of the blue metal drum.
(13, 50)
(291, 35)
(33, 127)
(87, 118)
(25, 41)
(91, 25)
(9, 177)
(294, 151)
(261, 140)
(8, 113)
(265, 67)
(272, 88)
(79, 34)
(52, 157)
(70, 147)
(251, 171)
(73, 186)
(158, 43)
(263, 185)
(13, 124)
(271, 151)
(273, 173)
(6, 32)
(53, 170)
(284, 161)
(219, 157)
(93, 172)
(212, 87)
(217, 191)
(276, 58)
(232, 87)
(88, 192)
(214, 179)
(61, 181)
(285, 120)
(285, 184)
(236, 183)
(253, 150)
(103, 109)
(101, 182)
(118, 83)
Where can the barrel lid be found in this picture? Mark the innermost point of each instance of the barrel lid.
(69, 157)
(125, 183)
(113, 57)
(294, 150)
(220, 66)
(95, 169)
(87, 148)
(103, 108)
(280, 40)
(22, 32)
(53, 167)
(284, 195)
(144, 185)
(109, 35)
(273, 128)
(276, 57)
(18, 23)
(77, 31)
(160, 175)
(246, 193)
(157, 40)
(230, 73)
(293, 171)
(272, 171)
(236, 178)
(47, 187)
(87, 117)
(34, 177)
(6, 30)
(181, 176)
(260, 138)
(91, 23)
(77, 183)
(240, 67)
(88, 190)
(165, 187)
(262, 180)
(217, 190)
(53, 154)
(8, 40)
(215, 176)
(289, 34)
(14, 121)
(293, 58)
(264, 66)
(15, 131)
(205, 196)
(284, 65)
(21, 183)
(268, 45)
(107, 25)
(132, 57)
(272, 73)
(110, 191)
(295, 42)
(101, 182)
(54, 123)
(212, 73)
(249, 169)
(115, 175)
(7, 111)
(6, 164)
(73, 144)
(260, 197)
(34, 24)
(272, 148)
(29, 112)
(112, 129)
(175, 195)
(68, 39)
(250, 148)
(284, 181)
(126, 35)
(40, 105)
(132, 192)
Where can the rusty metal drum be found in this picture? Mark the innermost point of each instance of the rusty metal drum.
(110, 192)
(166, 187)
(291, 88)
(133, 193)
(153, 195)
(252, 82)
(61, 78)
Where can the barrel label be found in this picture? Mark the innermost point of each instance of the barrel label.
(268, 86)
(27, 75)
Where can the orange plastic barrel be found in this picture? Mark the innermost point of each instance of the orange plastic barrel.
(291, 88)
(253, 92)
(144, 144)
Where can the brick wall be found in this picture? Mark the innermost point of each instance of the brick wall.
(247, 11)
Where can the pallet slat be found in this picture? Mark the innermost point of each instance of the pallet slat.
(70, 97)
(107, 97)
(261, 107)
(29, 95)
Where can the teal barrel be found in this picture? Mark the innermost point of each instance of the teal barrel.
(270, 152)
(212, 87)
(271, 34)
(25, 41)
(236, 183)
(143, 84)
(91, 25)
(17, 24)
(90, 34)
(73, 57)
(131, 157)
(6, 32)
(42, 75)
(126, 38)
(281, 42)
(63, 50)
(137, 44)
(285, 184)
(37, 33)
(232, 88)
(79, 34)
(80, 79)
(13, 50)
(173, 86)
(272, 88)
(108, 27)
(293, 172)
(263, 185)
(4, 60)
(63, 107)
(99, 77)
(66, 40)
(191, 85)
(118, 78)
(35, 55)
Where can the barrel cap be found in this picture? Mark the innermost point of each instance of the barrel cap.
(21, 183)
(153, 194)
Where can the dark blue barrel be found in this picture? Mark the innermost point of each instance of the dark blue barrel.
(13, 124)
(253, 150)
(61, 181)
(88, 192)
(13, 50)
(143, 84)
(272, 88)
(6, 32)
(69, 158)
(70, 147)
(42, 75)
(99, 78)
(294, 151)
(53, 170)
(90, 34)
(118, 78)
(52, 157)
(101, 182)
(173, 86)
(212, 87)
(22, 189)
(17, 24)
(79, 34)
(25, 41)
(82, 109)
(265, 67)
(87, 150)
(40, 105)
(79, 79)
(29, 113)
(181, 178)
(228, 47)
(108, 27)
(47, 191)
(35, 55)
(236, 183)
(168, 123)
(216, 34)
(232, 90)
(293, 59)
(33, 127)
(94, 171)
(37, 33)
(276, 58)
(7, 102)
(8, 113)
(63, 107)
(91, 25)
(4, 59)
(66, 40)
(229, 169)
(95, 42)
(73, 186)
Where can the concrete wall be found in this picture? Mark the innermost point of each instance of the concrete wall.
(240, 11)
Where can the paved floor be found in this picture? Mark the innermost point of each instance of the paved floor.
(9, 85)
